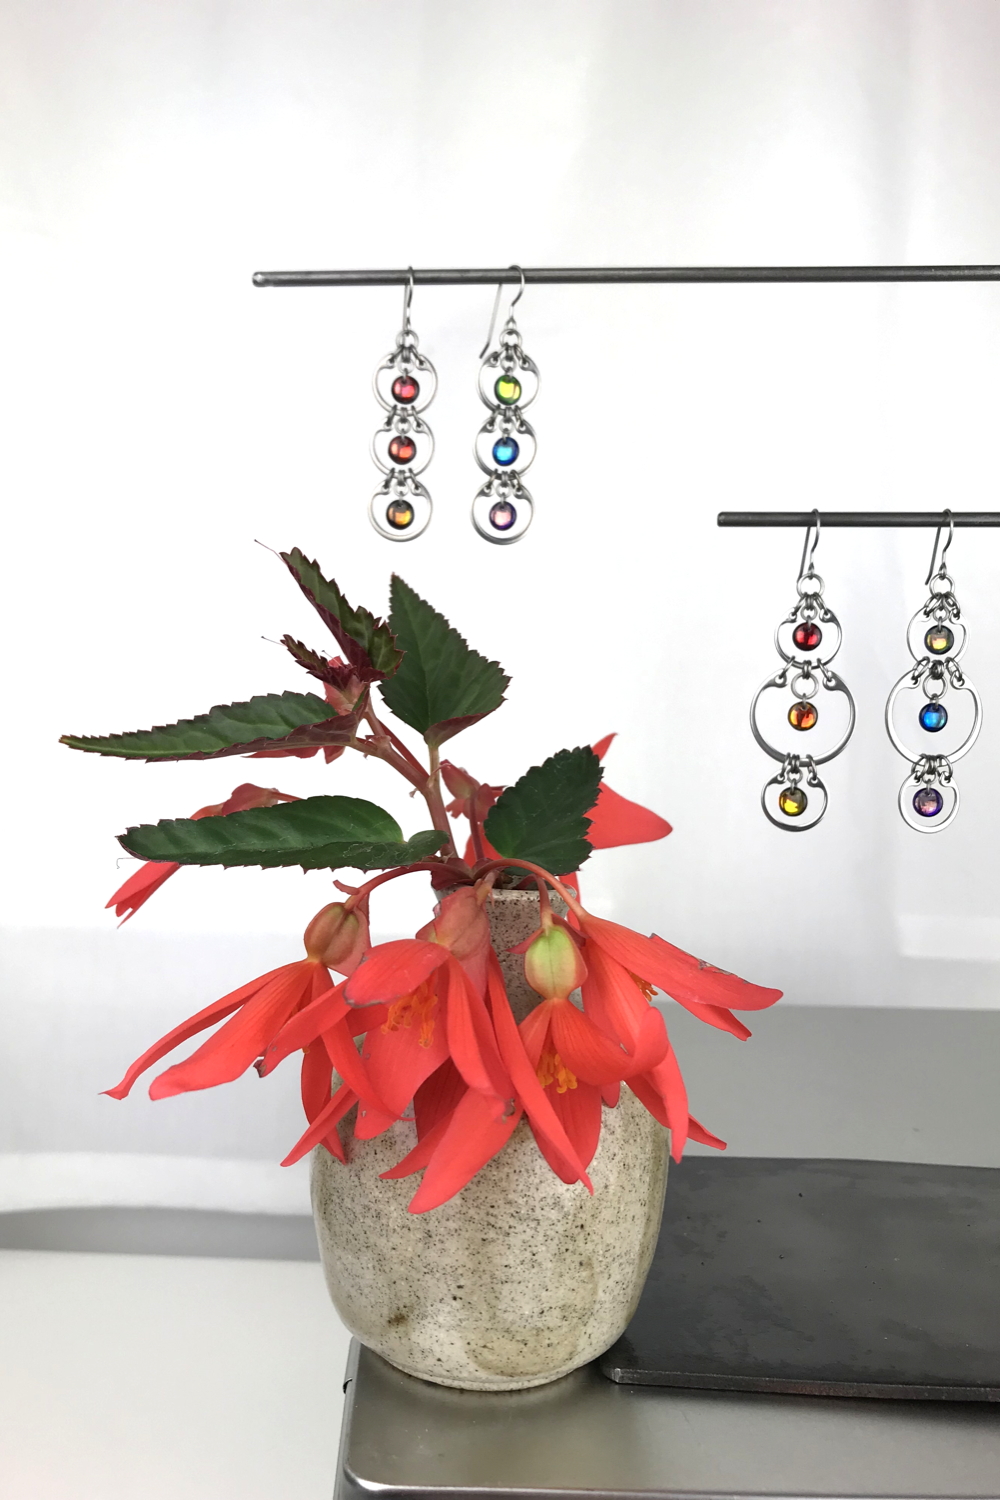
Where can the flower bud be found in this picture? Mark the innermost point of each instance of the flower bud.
(553, 964)
(337, 937)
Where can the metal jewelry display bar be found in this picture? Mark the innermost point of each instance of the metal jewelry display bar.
(887, 518)
(594, 275)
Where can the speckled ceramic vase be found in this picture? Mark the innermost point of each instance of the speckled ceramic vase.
(519, 1278)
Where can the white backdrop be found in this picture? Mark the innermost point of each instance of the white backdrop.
(160, 414)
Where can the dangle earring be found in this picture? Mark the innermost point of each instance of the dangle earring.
(405, 384)
(935, 638)
(807, 640)
(505, 444)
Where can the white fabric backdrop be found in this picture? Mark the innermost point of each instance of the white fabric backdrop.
(161, 414)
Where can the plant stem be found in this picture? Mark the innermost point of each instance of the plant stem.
(435, 801)
(524, 864)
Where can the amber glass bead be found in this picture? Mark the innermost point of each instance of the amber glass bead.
(507, 390)
(793, 801)
(803, 715)
(405, 390)
(402, 449)
(939, 639)
(399, 514)
(807, 635)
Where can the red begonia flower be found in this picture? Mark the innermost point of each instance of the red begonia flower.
(614, 820)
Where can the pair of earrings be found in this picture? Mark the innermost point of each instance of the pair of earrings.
(807, 640)
(405, 385)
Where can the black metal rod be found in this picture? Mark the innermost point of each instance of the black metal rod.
(591, 275)
(888, 518)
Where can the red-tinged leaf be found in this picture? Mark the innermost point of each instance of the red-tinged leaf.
(339, 675)
(417, 1159)
(471, 1041)
(189, 1028)
(614, 820)
(366, 641)
(579, 1110)
(236, 1045)
(544, 1121)
(475, 1133)
(394, 969)
(316, 1081)
(437, 1096)
(321, 1131)
(326, 1009)
(585, 1050)
(128, 898)
(697, 1132)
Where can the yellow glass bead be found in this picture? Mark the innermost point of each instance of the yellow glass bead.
(399, 514)
(507, 390)
(939, 639)
(792, 800)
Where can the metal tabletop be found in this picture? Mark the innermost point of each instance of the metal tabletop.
(584, 1435)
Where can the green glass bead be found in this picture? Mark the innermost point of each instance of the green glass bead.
(507, 390)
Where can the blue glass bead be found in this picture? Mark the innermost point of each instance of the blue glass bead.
(933, 716)
(505, 451)
(928, 802)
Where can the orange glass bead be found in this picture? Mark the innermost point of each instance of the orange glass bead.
(803, 715)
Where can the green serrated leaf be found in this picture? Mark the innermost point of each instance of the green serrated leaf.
(316, 833)
(442, 685)
(273, 721)
(542, 817)
(366, 641)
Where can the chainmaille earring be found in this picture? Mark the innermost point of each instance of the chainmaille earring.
(935, 638)
(505, 444)
(405, 384)
(807, 640)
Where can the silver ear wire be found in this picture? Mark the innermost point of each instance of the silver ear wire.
(505, 445)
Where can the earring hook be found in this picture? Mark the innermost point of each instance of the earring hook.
(407, 302)
(806, 569)
(496, 304)
(941, 570)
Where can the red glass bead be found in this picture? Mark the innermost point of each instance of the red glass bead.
(807, 635)
(405, 390)
(402, 449)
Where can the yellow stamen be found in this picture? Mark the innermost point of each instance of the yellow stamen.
(649, 990)
(420, 1004)
(552, 1069)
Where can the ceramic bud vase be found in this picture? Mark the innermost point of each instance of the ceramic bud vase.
(519, 1278)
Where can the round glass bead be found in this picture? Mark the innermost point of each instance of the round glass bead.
(405, 390)
(803, 715)
(505, 451)
(399, 514)
(793, 801)
(502, 515)
(939, 639)
(933, 716)
(928, 801)
(402, 448)
(807, 635)
(507, 390)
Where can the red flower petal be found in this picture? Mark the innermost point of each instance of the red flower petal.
(471, 1040)
(418, 1158)
(704, 1137)
(190, 1028)
(321, 1129)
(674, 971)
(305, 1026)
(615, 820)
(234, 1047)
(397, 1065)
(543, 1118)
(585, 1050)
(316, 1081)
(475, 1133)
(345, 1058)
(437, 1096)
(394, 969)
(128, 898)
(579, 1110)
